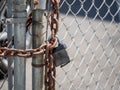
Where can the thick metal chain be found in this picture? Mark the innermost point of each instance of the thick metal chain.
(5, 52)
(8, 52)
(50, 70)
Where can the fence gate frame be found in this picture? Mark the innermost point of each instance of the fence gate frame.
(85, 49)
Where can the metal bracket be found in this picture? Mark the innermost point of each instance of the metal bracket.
(13, 20)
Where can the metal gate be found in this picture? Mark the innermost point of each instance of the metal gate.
(91, 31)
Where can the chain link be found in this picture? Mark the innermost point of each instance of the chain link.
(50, 70)
(46, 48)
(7, 52)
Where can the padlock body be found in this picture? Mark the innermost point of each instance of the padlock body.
(60, 55)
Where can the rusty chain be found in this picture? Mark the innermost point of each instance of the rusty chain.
(46, 48)
(50, 70)
(5, 52)
(8, 52)
(29, 19)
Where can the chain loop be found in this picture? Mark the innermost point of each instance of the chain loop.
(50, 70)
(8, 52)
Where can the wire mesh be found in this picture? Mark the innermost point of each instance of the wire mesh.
(3, 67)
(91, 31)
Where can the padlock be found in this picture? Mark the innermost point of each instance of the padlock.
(60, 55)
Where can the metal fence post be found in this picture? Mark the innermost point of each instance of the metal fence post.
(19, 12)
(37, 26)
(9, 33)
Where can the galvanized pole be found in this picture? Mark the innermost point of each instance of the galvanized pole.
(19, 13)
(9, 35)
(37, 40)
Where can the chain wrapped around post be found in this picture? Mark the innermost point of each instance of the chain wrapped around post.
(46, 48)
(8, 52)
(50, 70)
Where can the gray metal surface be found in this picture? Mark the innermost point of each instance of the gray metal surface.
(19, 43)
(9, 35)
(37, 40)
(93, 46)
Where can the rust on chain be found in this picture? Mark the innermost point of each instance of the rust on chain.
(55, 15)
(9, 52)
(36, 2)
(29, 19)
(50, 70)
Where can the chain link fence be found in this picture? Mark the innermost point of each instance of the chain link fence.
(91, 31)
(3, 36)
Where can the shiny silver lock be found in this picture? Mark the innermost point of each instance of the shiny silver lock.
(61, 57)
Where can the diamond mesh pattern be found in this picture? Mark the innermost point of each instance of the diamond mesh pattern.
(91, 30)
